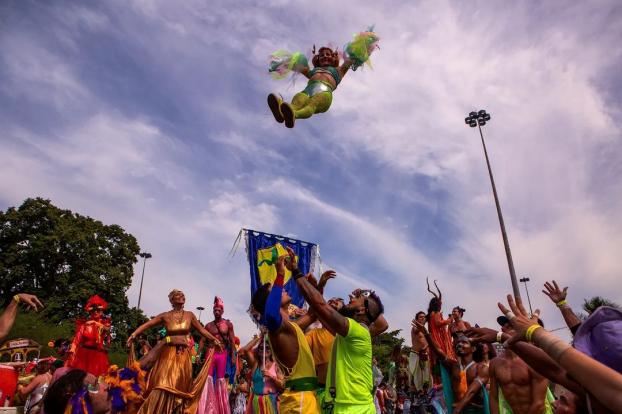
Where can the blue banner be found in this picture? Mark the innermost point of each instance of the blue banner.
(264, 249)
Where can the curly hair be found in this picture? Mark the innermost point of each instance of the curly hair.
(59, 393)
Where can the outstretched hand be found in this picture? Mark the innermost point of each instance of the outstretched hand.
(31, 301)
(286, 262)
(554, 292)
(326, 276)
(483, 335)
(419, 327)
(519, 318)
(290, 261)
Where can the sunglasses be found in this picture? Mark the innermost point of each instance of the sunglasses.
(365, 293)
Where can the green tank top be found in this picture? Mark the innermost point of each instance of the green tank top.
(353, 372)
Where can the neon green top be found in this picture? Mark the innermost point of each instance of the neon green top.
(353, 377)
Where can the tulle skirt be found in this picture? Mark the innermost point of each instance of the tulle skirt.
(214, 398)
(93, 361)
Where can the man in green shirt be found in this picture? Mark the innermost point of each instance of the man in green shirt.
(349, 379)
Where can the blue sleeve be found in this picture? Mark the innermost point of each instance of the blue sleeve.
(273, 305)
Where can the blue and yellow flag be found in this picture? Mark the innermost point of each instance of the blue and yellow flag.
(263, 251)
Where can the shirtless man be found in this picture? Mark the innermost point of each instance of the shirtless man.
(458, 324)
(419, 359)
(468, 377)
(222, 329)
(514, 385)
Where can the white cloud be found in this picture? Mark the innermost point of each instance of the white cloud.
(185, 173)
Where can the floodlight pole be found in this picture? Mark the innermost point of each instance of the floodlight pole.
(479, 119)
(145, 256)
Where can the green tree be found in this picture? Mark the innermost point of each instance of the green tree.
(383, 345)
(64, 258)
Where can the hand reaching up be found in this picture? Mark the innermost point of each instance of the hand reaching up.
(554, 292)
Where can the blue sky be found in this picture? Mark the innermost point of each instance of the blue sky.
(152, 115)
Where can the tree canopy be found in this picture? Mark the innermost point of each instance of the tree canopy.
(64, 258)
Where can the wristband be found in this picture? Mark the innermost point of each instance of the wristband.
(531, 330)
(499, 336)
(562, 303)
(16, 299)
(168, 339)
(297, 274)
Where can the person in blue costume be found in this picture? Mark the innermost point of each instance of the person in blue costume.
(324, 77)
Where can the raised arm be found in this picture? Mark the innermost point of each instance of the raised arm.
(602, 382)
(540, 362)
(204, 332)
(157, 321)
(330, 318)
(378, 326)
(247, 353)
(558, 297)
(442, 356)
(343, 69)
(533, 356)
(7, 319)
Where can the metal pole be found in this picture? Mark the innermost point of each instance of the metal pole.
(525, 280)
(145, 256)
(506, 243)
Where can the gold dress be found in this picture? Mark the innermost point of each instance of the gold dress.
(170, 388)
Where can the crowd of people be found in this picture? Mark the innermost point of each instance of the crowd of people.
(320, 360)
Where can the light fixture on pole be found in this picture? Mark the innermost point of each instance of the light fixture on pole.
(479, 119)
(525, 280)
(200, 309)
(145, 256)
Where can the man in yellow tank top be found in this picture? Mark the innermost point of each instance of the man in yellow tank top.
(289, 345)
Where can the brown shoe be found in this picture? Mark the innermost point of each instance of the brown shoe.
(288, 114)
(274, 102)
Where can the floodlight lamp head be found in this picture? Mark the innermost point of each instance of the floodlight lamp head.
(481, 112)
(473, 114)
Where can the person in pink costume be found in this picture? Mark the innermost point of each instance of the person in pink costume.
(215, 396)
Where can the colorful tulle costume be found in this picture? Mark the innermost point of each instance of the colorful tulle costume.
(88, 349)
(215, 395)
(265, 394)
(323, 78)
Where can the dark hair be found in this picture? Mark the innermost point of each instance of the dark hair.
(478, 353)
(59, 393)
(435, 306)
(377, 308)
(420, 313)
(460, 310)
(316, 58)
(260, 297)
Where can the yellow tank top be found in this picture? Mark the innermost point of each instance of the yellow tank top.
(304, 366)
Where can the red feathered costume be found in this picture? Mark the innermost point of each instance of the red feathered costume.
(89, 346)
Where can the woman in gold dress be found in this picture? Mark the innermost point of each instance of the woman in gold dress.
(170, 388)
